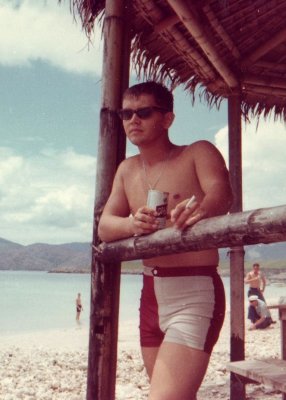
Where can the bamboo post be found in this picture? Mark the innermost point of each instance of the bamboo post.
(105, 277)
(282, 317)
(237, 324)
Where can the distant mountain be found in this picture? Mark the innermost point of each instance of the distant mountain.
(261, 253)
(71, 257)
(44, 257)
(7, 244)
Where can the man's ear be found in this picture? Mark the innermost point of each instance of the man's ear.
(168, 119)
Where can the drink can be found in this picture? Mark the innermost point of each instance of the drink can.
(158, 201)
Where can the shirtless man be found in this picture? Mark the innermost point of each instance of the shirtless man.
(182, 303)
(256, 281)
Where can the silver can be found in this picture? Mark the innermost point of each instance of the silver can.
(158, 201)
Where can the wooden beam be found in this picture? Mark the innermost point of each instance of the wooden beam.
(267, 46)
(188, 18)
(266, 81)
(166, 23)
(237, 333)
(216, 25)
(166, 29)
(186, 51)
(235, 150)
(105, 277)
(265, 225)
(271, 66)
(265, 90)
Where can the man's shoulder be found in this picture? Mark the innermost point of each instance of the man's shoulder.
(128, 167)
(200, 144)
(202, 147)
(129, 162)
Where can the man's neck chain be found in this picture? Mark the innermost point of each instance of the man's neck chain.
(153, 185)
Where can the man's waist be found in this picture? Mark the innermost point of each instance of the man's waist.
(205, 270)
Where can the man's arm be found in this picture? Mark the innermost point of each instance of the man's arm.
(248, 278)
(115, 222)
(253, 326)
(214, 181)
(263, 281)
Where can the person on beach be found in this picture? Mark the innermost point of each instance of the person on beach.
(182, 303)
(257, 282)
(258, 314)
(79, 307)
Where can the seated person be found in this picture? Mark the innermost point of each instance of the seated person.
(258, 313)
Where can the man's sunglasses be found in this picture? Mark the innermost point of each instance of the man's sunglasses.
(143, 113)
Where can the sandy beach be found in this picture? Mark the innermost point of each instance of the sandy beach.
(52, 365)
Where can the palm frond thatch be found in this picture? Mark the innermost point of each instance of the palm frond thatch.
(216, 48)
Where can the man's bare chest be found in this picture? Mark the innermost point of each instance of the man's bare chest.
(180, 183)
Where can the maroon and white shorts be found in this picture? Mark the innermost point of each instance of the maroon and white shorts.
(184, 305)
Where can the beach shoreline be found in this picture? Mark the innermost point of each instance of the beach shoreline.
(53, 364)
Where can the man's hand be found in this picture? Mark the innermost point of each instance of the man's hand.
(144, 221)
(187, 213)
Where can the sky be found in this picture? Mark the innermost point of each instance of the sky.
(50, 88)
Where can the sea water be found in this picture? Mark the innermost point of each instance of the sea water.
(34, 301)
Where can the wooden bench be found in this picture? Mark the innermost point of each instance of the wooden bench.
(270, 372)
(281, 307)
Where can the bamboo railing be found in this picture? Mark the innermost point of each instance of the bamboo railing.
(265, 225)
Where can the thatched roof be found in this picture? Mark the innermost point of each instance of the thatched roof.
(220, 47)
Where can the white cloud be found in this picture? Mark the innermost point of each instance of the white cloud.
(46, 198)
(263, 162)
(33, 30)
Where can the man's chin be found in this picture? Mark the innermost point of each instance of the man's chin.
(136, 140)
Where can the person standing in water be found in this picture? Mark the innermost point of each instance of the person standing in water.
(79, 307)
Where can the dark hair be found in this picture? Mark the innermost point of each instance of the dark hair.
(162, 95)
